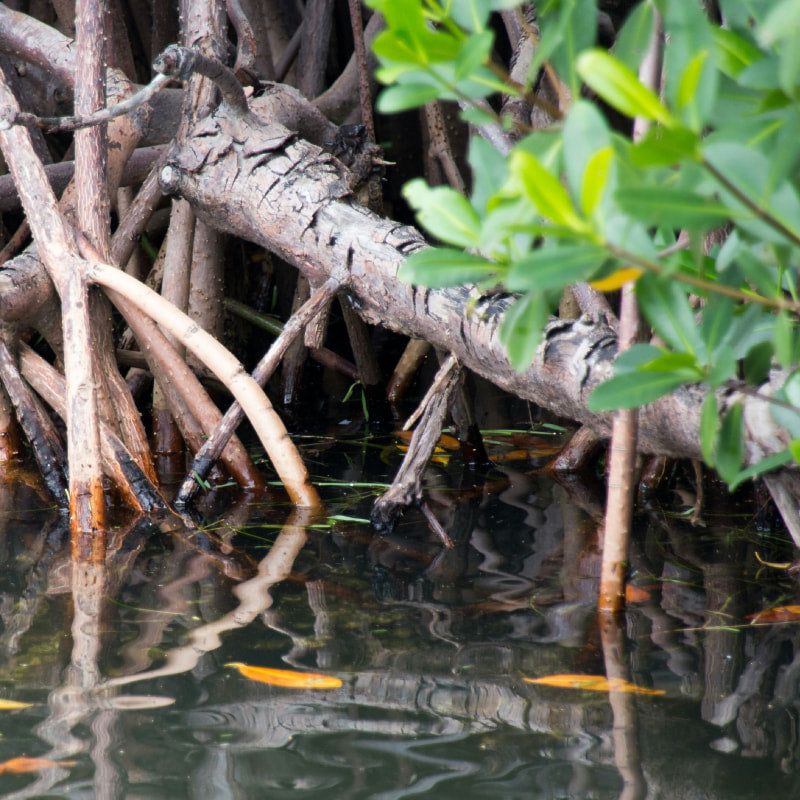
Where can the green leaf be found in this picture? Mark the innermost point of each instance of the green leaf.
(567, 27)
(765, 465)
(522, 327)
(444, 212)
(730, 444)
(472, 15)
(585, 132)
(789, 69)
(595, 179)
(685, 363)
(709, 423)
(757, 363)
(633, 389)
(489, 172)
(403, 96)
(635, 356)
(554, 267)
(690, 79)
(443, 266)
(791, 390)
(690, 82)
(717, 321)
(629, 235)
(544, 190)
(733, 53)
(621, 88)
(784, 340)
(663, 147)
(634, 37)
(473, 53)
(781, 24)
(724, 367)
(676, 208)
(742, 15)
(749, 170)
(664, 304)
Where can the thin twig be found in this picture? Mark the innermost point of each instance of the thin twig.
(246, 46)
(78, 121)
(364, 94)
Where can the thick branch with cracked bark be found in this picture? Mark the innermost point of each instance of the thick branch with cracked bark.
(256, 180)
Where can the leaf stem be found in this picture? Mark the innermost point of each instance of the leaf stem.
(704, 284)
(742, 197)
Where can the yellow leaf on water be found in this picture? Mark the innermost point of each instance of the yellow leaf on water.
(593, 683)
(616, 280)
(10, 705)
(449, 442)
(779, 614)
(24, 764)
(445, 442)
(286, 677)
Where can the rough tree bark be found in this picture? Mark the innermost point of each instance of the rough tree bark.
(257, 180)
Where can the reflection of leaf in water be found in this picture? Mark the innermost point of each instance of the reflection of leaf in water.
(24, 764)
(10, 705)
(286, 677)
(592, 683)
(778, 614)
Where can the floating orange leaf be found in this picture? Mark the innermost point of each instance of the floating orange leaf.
(449, 442)
(635, 594)
(617, 279)
(593, 683)
(442, 458)
(779, 614)
(445, 442)
(286, 677)
(519, 446)
(24, 764)
(523, 455)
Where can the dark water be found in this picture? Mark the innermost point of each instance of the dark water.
(126, 674)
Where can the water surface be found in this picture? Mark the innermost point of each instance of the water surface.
(125, 669)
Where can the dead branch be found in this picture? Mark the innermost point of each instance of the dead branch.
(406, 487)
(59, 175)
(209, 453)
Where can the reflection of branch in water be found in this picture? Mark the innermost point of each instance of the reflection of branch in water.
(23, 609)
(623, 708)
(323, 629)
(195, 553)
(71, 703)
(184, 567)
(253, 595)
